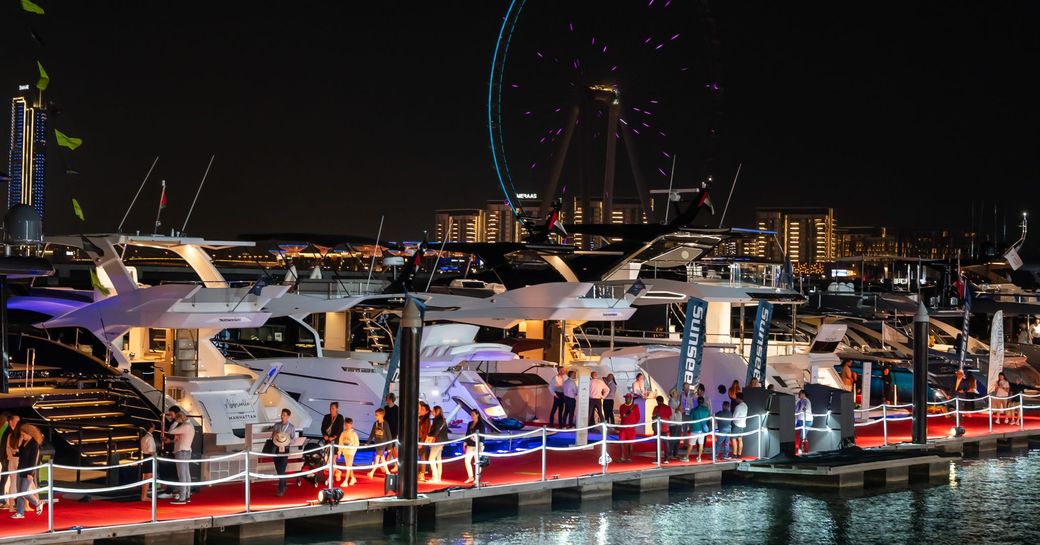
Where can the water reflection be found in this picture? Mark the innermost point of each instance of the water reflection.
(984, 500)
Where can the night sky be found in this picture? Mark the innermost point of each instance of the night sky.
(326, 115)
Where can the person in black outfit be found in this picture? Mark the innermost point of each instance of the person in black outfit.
(888, 389)
(438, 434)
(472, 456)
(168, 470)
(332, 424)
(28, 456)
(393, 419)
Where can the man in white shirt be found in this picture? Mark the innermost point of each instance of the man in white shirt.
(570, 399)
(802, 416)
(598, 391)
(183, 436)
(558, 405)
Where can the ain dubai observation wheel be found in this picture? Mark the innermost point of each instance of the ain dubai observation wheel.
(572, 81)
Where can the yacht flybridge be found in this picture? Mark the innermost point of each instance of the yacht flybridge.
(450, 353)
(161, 336)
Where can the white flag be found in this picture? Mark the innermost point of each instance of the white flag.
(890, 334)
(996, 350)
(1013, 259)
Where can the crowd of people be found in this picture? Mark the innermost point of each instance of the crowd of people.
(688, 415)
(432, 431)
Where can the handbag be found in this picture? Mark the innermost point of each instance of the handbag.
(269, 447)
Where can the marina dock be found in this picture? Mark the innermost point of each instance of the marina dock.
(515, 481)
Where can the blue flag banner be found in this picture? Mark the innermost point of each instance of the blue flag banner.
(691, 351)
(392, 363)
(757, 357)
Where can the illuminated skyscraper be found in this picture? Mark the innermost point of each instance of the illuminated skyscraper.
(806, 233)
(28, 151)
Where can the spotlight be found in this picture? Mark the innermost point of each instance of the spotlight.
(330, 496)
(957, 431)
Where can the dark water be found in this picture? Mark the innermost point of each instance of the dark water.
(994, 500)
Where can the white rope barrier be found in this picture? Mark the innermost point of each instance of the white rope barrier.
(26, 493)
(101, 490)
(490, 454)
(180, 484)
(24, 470)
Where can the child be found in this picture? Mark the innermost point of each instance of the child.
(380, 434)
(348, 443)
(147, 451)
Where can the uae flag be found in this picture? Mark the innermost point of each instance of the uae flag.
(162, 198)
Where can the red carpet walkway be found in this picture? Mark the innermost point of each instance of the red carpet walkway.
(227, 499)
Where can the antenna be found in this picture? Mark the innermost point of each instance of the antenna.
(372, 266)
(197, 191)
(668, 199)
(139, 188)
(438, 261)
(731, 188)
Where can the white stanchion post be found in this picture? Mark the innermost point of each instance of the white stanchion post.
(884, 423)
(989, 409)
(50, 496)
(957, 410)
(245, 463)
(477, 460)
(332, 467)
(761, 426)
(603, 447)
(155, 487)
(1021, 411)
(544, 445)
(714, 438)
(657, 434)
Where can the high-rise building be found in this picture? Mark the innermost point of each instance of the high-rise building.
(502, 225)
(460, 225)
(859, 241)
(28, 151)
(807, 234)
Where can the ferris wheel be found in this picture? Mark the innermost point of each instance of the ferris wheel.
(572, 81)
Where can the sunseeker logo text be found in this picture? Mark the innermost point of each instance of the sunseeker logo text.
(693, 345)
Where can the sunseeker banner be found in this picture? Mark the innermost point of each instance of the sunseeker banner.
(757, 357)
(395, 356)
(692, 348)
(996, 351)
